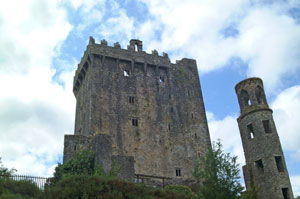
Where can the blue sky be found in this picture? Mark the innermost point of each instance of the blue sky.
(42, 42)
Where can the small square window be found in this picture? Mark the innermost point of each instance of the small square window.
(126, 73)
(161, 79)
(131, 99)
(259, 165)
(266, 124)
(178, 171)
(134, 122)
(279, 163)
(250, 131)
(285, 193)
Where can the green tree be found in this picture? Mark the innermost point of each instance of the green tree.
(83, 164)
(5, 171)
(218, 174)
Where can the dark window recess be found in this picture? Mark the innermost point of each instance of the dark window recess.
(266, 124)
(171, 109)
(131, 99)
(169, 127)
(169, 96)
(195, 135)
(161, 79)
(192, 115)
(279, 163)
(259, 165)
(178, 172)
(126, 73)
(245, 98)
(188, 93)
(285, 193)
(134, 122)
(74, 147)
(250, 131)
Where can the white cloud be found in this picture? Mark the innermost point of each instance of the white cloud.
(118, 28)
(271, 45)
(268, 38)
(228, 132)
(35, 111)
(286, 109)
(295, 180)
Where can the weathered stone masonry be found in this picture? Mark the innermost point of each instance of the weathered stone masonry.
(265, 164)
(139, 109)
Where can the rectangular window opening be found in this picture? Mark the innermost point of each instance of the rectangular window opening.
(178, 172)
(285, 193)
(266, 124)
(171, 109)
(192, 115)
(250, 131)
(126, 73)
(131, 99)
(169, 127)
(134, 122)
(259, 165)
(161, 79)
(279, 163)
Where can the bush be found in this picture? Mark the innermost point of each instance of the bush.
(10, 189)
(5, 171)
(82, 164)
(99, 187)
(183, 190)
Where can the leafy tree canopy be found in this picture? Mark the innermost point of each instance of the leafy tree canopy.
(83, 164)
(5, 171)
(218, 174)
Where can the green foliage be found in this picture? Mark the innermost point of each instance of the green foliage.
(219, 173)
(184, 190)
(5, 171)
(252, 193)
(249, 195)
(98, 187)
(10, 189)
(83, 164)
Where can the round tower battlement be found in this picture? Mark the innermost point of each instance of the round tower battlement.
(251, 95)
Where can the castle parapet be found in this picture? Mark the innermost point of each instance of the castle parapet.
(133, 53)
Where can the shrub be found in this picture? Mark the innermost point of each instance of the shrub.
(18, 189)
(82, 164)
(183, 190)
(99, 187)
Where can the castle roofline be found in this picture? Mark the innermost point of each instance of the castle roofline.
(248, 80)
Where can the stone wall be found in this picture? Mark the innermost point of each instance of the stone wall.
(152, 109)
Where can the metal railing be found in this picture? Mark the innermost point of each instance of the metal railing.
(41, 181)
(140, 178)
(38, 181)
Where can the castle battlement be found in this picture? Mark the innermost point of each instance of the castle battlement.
(134, 54)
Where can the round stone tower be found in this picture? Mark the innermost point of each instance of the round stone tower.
(265, 166)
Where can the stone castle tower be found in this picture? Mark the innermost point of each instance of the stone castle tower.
(139, 109)
(265, 164)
